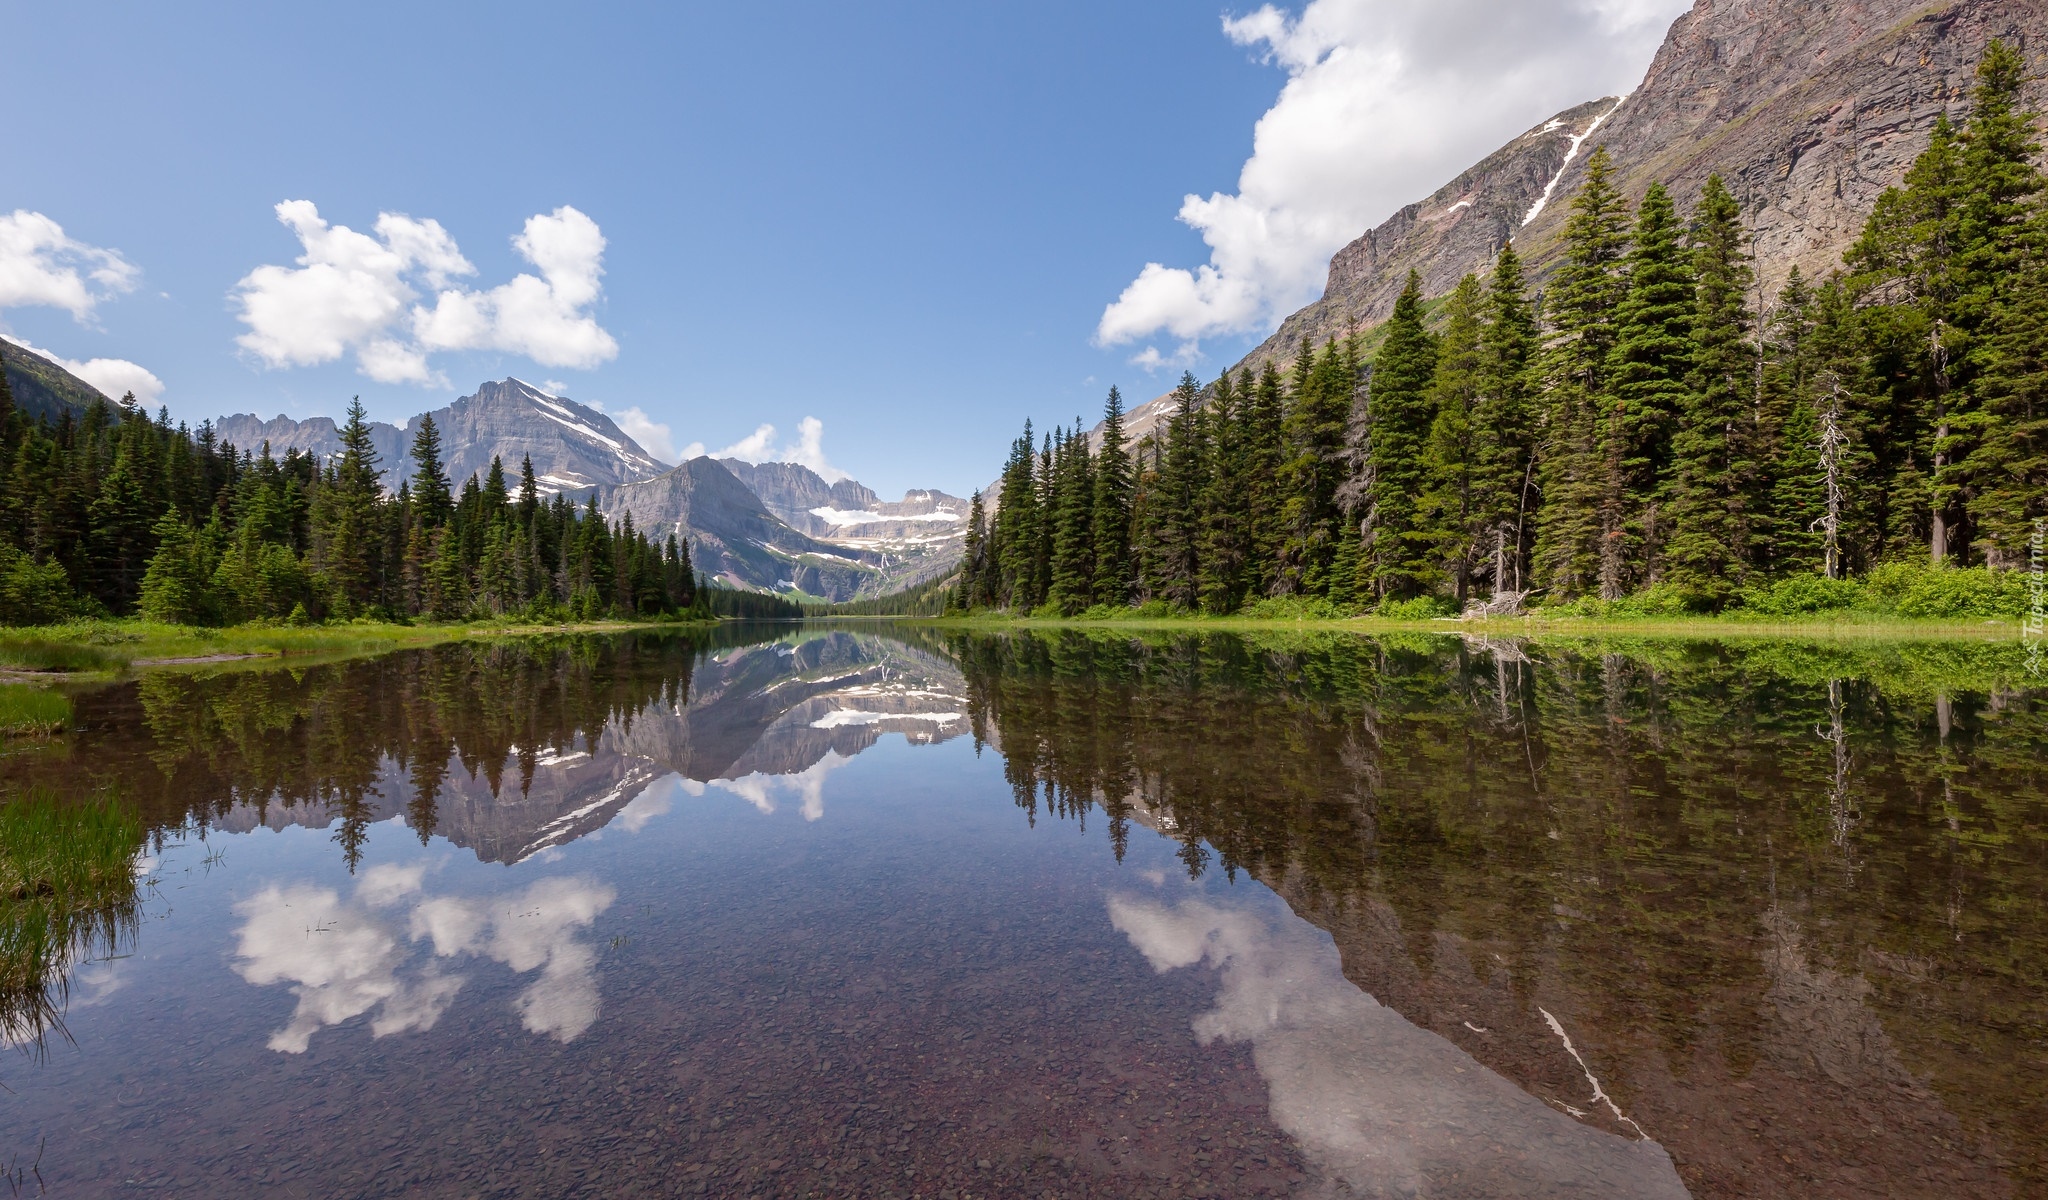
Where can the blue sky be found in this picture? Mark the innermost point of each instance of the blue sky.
(903, 220)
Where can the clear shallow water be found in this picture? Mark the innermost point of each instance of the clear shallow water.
(838, 913)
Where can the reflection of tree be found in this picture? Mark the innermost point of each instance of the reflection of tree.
(67, 896)
(1602, 817)
(325, 735)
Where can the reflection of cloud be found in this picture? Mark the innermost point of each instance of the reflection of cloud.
(646, 806)
(343, 958)
(532, 929)
(1376, 1103)
(807, 785)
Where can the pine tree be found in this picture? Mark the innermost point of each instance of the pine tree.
(1647, 382)
(1449, 517)
(1225, 512)
(1175, 566)
(1582, 304)
(1399, 546)
(1711, 548)
(1014, 542)
(1114, 483)
(971, 591)
(1073, 557)
(1265, 497)
(1504, 479)
(431, 498)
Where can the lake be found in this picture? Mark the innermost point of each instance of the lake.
(867, 910)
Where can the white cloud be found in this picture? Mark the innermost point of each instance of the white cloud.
(357, 293)
(1385, 101)
(759, 447)
(658, 439)
(1186, 355)
(42, 266)
(111, 377)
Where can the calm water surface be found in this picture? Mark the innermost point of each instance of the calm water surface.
(873, 912)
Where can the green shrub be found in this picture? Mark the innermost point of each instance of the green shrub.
(1800, 594)
(33, 593)
(1914, 589)
(1421, 608)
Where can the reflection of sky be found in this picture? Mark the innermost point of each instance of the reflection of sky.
(347, 956)
(1379, 1105)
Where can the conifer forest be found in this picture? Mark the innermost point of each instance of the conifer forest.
(113, 513)
(1646, 432)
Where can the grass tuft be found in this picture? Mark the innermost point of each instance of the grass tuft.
(67, 891)
(27, 711)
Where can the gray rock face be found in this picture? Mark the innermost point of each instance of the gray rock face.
(1457, 229)
(734, 538)
(318, 436)
(910, 541)
(1808, 109)
(574, 447)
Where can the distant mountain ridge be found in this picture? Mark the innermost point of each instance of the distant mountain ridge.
(43, 389)
(574, 447)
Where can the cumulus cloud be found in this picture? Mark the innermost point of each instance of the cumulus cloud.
(110, 377)
(42, 266)
(654, 436)
(1385, 101)
(760, 447)
(363, 294)
(344, 957)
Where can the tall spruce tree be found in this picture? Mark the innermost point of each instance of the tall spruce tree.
(1450, 516)
(1504, 475)
(1583, 302)
(1716, 446)
(1647, 385)
(1114, 483)
(431, 499)
(1073, 555)
(1398, 549)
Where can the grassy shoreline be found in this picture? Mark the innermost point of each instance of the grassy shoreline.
(1832, 628)
(107, 647)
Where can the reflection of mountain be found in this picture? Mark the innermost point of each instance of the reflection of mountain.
(773, 709)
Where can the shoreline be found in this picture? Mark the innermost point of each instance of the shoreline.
(101, 648)
(1876, 629)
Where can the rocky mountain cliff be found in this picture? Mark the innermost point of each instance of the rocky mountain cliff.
(1808, 109)
(574, 447)
(912, 540)
(735, 539)
(318, 436)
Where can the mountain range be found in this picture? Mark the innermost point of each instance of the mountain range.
(766, 527)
